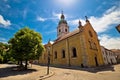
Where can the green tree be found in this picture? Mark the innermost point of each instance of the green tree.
(4, 56)
(1, 52)
(26, 45)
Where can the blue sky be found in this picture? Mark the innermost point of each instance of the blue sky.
(43, 17)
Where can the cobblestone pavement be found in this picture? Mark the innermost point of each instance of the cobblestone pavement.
(6, 73)
(103, 73)
(64, 73)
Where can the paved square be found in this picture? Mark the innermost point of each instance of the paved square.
(66, 73)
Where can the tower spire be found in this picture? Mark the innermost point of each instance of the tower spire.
(86, 19)
(62, 11)
(62, 15)
(80, 23)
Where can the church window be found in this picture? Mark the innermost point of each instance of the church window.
(59, 30)
(55, 55)
(65, 30)
(63, 53)
(74, 52)
(90, 33)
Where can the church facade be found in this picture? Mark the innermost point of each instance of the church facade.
(77, 48)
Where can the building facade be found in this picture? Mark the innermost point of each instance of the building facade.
(77, 48)
(117, 53)
(109, 56)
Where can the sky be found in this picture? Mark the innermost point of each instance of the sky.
(43, 16)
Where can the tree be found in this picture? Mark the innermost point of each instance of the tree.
(4, 55)
(26, 45)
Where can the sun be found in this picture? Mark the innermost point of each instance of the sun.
(65, 3)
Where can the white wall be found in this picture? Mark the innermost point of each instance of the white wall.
(108, 56)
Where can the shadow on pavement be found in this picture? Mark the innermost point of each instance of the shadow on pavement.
(92, 70)
(8, 71)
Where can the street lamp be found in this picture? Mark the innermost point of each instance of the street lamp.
(48, 64)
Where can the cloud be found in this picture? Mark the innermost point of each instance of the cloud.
(50, 32)
(75, 22)
(5, 0)
(110, 17)
(110, 42)
(4, 22)
(103, 23)
(56, 15)
(8, 6)
(25, 13)
(3, 40)
(41, 19)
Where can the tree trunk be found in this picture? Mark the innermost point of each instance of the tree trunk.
(26, 63)
(21, 63)
(18, 62)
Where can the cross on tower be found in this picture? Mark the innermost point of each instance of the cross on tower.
(62, 11)
(86, 19)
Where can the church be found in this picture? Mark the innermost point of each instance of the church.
(77, 48)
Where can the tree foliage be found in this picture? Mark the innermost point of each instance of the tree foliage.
(4, 53)
(26, 45)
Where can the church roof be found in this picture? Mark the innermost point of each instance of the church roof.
(67, 35)
(116, 50)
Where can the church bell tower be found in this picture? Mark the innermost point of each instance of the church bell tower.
(62, 28)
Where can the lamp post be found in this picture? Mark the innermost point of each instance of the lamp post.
(48, 64)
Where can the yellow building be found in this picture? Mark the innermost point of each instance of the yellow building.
(78, 48)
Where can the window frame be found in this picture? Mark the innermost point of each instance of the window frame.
(55, 55)
(74, 52)
(90, 34)
(66, 30)
(63, 53)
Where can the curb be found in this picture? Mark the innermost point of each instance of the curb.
(46, 76)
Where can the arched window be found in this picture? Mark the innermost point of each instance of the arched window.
(74, 52)
(63, 53)
(59, 30)
(90, 33)
(55, 55)
(65, 30)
